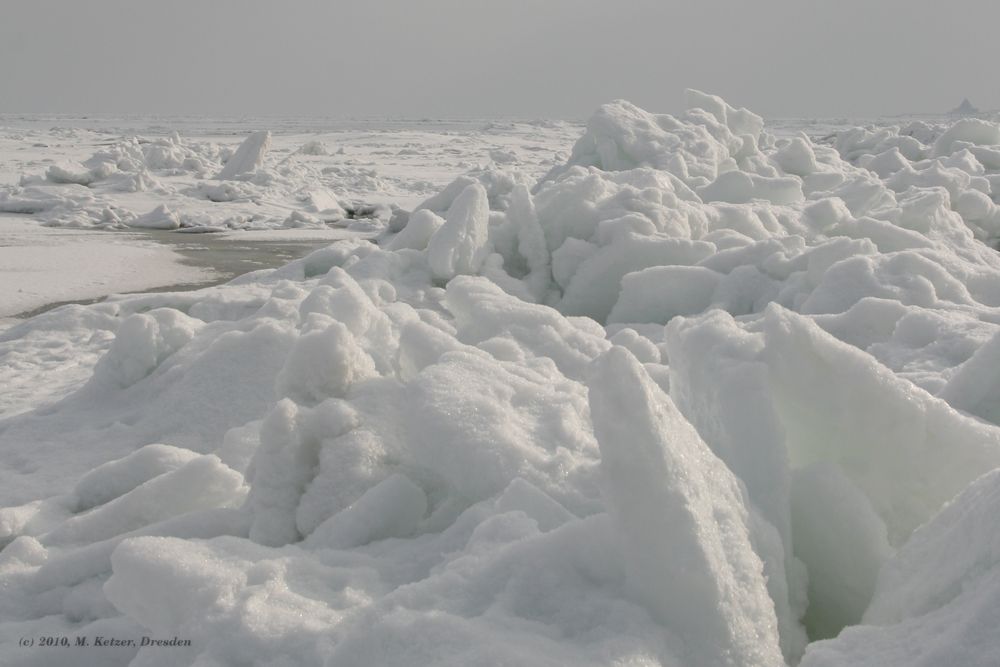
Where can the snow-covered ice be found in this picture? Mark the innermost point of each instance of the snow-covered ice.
(317, 178)
(695, 393)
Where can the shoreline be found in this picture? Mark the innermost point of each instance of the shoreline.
(69, 266)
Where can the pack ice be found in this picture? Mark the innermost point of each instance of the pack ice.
(701, 396)
(201, 186)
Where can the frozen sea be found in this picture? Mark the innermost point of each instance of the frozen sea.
(646, 389)
(368, 161)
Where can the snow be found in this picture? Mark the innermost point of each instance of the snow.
(695, 393)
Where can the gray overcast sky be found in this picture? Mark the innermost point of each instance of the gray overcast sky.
(460, 58)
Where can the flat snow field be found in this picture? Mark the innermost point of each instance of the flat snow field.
(651, 390)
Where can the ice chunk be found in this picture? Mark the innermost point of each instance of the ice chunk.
(461, 244)
(483, 311)
(937, 598)
(323, 203)
(568, 257)
(975, 386)
(943, 558)
(165, 583)
(836, 531)
(287, 460)
(418, 231)
(115, 478)
(421, 345)
(314, 147)
(248, 157)
(696, 149)
(682, 520)
(659, 293)
(324, 363)
(898, 438)
(160, 217)
(720, 385)
(443, 200)
(531, 243)
(521, 495)
(797, 157)
(142, 343)
(76, 173)
(203, 482)
(972, 130)
(595, 286)
(741, 121)
(392, 508)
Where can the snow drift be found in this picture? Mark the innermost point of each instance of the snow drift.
(701, 396)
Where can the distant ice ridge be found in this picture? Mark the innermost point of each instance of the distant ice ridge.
(700, 396)
(211, 186)
(269, 182)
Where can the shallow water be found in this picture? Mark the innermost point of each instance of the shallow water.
(226, 255)
(230, 256)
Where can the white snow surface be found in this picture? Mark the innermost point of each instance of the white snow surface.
(700, 395)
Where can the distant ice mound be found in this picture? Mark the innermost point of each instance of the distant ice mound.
(964, 109)
(700, 396)
(314, 147)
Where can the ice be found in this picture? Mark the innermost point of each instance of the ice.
(973, 388)
(40, 266)
(523, 496)
(196, 583)
(844, 542)
(797, 157)
(72, 173)
(417, 233)
(159, 218)
(201, 482)
(324, 362)
(936, 598)
(105, 181)
(392, 508)
(595, 286)
(699, 395)
(972, 130)
(531, 243)
(737, 187)
(248, 157)
(143, 342)
(461, 244)
(116, 478)
(882, 450)
(682, 520)
(314, 147)
(660, 293)
(286, 462)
